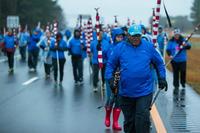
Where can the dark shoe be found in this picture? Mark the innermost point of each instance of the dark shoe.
(176, 90)
(183, 91)
(183, 85)
(76, 82)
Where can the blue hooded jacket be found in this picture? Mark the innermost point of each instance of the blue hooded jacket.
(62, 45)
(23, 39)
(173, 47)
(9, 42)
(136, 78)
(68, 33)
(34, 39)
(115, 32)
(160, 40)
(75, 47)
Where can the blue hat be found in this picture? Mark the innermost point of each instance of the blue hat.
(134, 30)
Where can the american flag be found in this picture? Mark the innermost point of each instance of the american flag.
(100, 57)
(89, 34)
(156, 19)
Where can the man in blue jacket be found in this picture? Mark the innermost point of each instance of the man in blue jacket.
(177, 46)
(76, 49)
(33, 50)
(134, 57)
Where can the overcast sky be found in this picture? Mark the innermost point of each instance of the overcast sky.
(139, 10)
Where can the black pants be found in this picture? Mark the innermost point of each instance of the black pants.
(95, 70)
(22, 51)
(179, 70)
(33, 58)
(47, 68)
(77, 65)
(136, 114)
(61, 67)
(10, 56)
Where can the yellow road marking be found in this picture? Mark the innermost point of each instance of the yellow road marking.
(160, 128)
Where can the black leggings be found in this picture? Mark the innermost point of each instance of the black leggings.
(179, 73)
(10, 56)
(61, 67)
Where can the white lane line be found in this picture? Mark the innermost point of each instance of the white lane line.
(30, 80)
(5, 59)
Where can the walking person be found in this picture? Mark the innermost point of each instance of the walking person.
(33, 50)
(177, 51)
(58, 58)
(102, 44)
(10, 45)
(76, 49)
(46, 55)
(23, 40)
(134, 58)
(112, 100)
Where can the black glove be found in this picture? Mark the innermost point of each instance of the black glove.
(36, 40)
(99, 46)
(162, 84)
(111, 84)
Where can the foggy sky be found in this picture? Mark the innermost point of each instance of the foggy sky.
(138, 10)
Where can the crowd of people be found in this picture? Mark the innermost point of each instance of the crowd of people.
(131, 65)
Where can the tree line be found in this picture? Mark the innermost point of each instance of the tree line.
(31, 12)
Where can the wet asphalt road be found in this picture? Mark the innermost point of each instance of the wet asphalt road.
(39, 107)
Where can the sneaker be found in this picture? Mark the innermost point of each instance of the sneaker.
(11, 70)
(183, 85)
(31, 69)
(34, 70)
(60, 84)
(95, 89)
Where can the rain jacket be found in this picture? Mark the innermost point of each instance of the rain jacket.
(136, 74)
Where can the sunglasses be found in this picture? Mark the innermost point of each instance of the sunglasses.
(137, 35)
